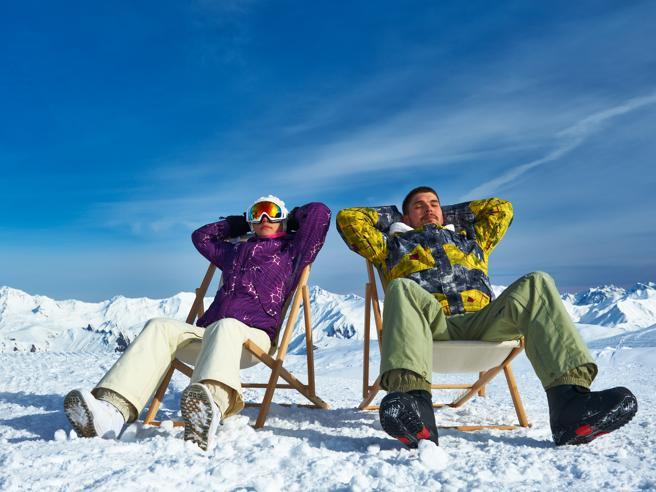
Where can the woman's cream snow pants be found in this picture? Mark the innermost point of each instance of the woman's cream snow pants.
(216, 352)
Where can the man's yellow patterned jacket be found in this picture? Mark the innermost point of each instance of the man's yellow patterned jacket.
(452, 265)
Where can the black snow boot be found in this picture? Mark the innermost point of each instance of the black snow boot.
(409, 417)
(578, 415)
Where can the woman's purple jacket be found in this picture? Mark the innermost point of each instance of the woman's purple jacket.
(259, 274)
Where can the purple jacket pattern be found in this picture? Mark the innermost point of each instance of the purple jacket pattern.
(260, 273)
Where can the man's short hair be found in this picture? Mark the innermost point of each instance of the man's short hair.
(413, 192)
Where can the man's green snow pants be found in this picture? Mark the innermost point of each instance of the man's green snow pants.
(530, 307)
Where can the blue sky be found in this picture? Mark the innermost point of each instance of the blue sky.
(124, 126)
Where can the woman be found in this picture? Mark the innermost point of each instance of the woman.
(258, 276)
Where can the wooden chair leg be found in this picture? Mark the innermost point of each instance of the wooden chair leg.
(486, 378)
(482, 381)
(302, 389)
(159, 395)
(268, 395)
(514, 393)
(369, 397)
(374, 301)
(309, 349)
(280, 372)
(481, 392)
(367, 339)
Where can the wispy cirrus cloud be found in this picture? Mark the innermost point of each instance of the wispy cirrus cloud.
(422, 138)
(567, 140)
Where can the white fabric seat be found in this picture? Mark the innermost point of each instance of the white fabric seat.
(465, 356)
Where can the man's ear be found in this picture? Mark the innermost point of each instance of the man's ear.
(406, 220)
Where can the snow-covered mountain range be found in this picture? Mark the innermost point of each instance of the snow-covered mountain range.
(613, 306)
(38, 323)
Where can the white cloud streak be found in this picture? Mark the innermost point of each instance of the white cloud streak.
(417, 139)
(568, 139)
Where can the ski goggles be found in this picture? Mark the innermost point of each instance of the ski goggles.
(272, 211)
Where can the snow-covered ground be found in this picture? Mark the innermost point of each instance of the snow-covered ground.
(336, 449)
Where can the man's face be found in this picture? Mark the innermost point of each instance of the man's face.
(266, 228)
(424, 208)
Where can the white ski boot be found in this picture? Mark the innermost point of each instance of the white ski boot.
(200, 414)
(92, 418)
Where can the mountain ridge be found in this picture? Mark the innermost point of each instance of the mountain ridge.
(39, 323)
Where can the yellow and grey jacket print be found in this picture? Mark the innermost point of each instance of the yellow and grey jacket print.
(450, 265)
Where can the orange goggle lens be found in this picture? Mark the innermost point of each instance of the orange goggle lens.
(273, 212)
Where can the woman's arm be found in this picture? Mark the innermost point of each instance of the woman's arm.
(211, 240)
(311, 222)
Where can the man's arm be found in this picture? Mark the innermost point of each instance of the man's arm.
(493, 216)
(309, 224)
(357, 226)
(211, 240)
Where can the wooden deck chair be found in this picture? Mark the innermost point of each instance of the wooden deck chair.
(455, 356)
(300, 293)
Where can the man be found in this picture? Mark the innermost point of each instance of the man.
(435, 261)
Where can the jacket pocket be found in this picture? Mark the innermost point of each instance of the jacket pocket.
(420, 258)
(474, 300)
